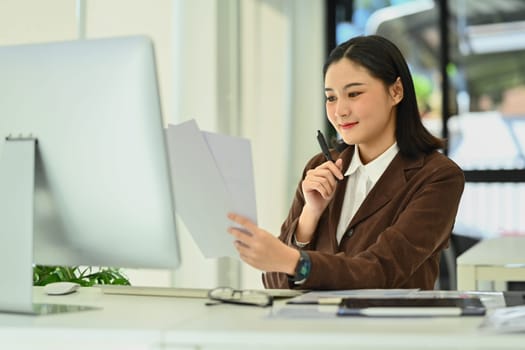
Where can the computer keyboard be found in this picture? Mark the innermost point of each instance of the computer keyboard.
(201, 293)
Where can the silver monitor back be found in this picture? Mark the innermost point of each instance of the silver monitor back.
(103, 192)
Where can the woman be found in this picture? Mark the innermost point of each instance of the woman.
(380, 215)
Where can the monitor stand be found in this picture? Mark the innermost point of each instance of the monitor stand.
(17, 196)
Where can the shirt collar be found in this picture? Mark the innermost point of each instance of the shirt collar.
(375, 168)
(355, 163)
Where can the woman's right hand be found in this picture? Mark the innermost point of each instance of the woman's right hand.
(319, 186)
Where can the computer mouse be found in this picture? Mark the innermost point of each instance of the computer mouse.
(61, 288)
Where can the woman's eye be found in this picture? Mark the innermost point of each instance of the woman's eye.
(330, 98)
(353, 94)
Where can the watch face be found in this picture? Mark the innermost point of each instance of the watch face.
(304, 269)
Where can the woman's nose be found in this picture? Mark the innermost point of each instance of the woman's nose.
(342, 109)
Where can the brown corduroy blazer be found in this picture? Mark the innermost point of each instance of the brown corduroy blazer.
(396, 236)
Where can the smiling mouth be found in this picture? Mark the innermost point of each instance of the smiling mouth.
(348, 125)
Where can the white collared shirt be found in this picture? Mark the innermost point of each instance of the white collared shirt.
(362, 179)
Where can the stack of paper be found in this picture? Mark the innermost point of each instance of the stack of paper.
(212, 176)
(396, 303)
(508, 319)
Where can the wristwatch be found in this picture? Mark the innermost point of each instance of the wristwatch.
(302, 270)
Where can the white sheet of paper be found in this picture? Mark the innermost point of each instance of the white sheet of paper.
(212, 175)
(233, 156)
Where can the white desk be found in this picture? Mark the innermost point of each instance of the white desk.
(498, 260)
(138, 322)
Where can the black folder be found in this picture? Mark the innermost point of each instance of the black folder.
(411, 307)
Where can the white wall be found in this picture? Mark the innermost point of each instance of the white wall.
(28, 21)
(106, 18)
(244, 67)
(282, 105)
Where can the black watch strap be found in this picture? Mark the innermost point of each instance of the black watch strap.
(302, 270)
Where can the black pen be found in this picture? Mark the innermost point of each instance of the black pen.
(324, 146)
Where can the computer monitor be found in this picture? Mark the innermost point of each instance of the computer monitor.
(103, 192)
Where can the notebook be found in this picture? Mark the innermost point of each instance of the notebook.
(411, 307)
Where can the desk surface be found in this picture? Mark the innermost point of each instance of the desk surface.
(495, 251)
(140, 322)
(496, 260)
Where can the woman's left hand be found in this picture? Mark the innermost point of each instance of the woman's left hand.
(261, 249)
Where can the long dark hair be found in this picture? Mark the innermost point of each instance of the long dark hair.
(384, 61)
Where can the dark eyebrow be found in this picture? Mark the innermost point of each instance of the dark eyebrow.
(349, 85)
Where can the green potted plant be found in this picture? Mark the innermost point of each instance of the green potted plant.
(84, 275)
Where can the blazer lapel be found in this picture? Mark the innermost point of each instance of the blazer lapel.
(334, 208)
(392, 179)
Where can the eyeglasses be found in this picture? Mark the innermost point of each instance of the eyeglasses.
(242, 297)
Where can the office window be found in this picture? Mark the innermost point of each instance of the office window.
(487, 135)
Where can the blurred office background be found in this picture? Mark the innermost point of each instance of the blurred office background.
(253, 68)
